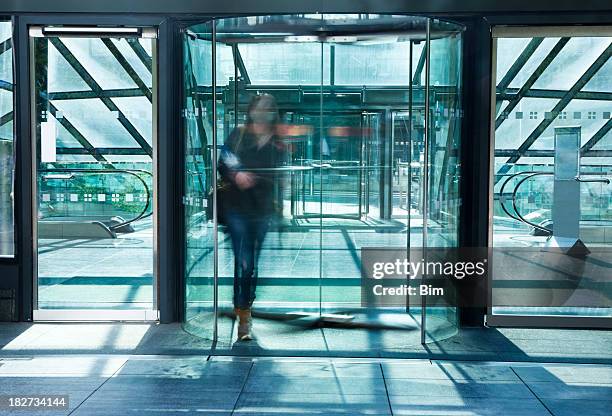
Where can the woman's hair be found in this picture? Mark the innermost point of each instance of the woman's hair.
(263, 109)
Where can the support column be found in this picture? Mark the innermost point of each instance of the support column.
(566, 190)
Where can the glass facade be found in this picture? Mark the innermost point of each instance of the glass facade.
(552, 171)
(350, 133)
(364, 152)
(7, 165)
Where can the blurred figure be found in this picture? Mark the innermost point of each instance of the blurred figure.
(246, 165)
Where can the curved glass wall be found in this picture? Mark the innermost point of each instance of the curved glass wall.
(352, 125)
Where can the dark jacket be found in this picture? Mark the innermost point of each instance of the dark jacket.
(240, 153)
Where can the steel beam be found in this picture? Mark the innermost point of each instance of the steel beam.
(554, 52)
(146, 91)
(511, 93)
(6, 45)
(582, 81)
(93, 84)
(6, 118)
(519, 63)
(142, 54)
(84, 95)
(74, 132)
(240, 64)
(586, 148)
(129, 151)
(550, 153)
(416, 80)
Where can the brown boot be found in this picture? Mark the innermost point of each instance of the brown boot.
(245, 324)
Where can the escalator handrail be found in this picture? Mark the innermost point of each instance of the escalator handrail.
(134, 172)
(501, 193)
(523, 219)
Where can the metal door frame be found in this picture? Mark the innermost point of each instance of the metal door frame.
(526, 320)
(26, 149)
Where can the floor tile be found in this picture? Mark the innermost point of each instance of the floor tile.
(163, 385)
(449, 371)
(313, 385)
(566, 373)
(316, 369)
(582, 391)
(465, 406)
(49, 384)
(184, 367)
(168, 404)
(456, 388)
(38, 366)
(579, 407)
(303, 404)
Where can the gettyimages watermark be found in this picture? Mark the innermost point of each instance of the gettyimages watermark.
(513, 276)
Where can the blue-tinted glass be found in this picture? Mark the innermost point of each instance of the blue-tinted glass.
(573, 60)
(290, 63)
(508, 52)
(99, 62)
(365, 63)
(62, 76)
(6, 144)
(504, 46)
(101, 130)
(138, 111)
(525, 142)
(90, 200)
(123, 45)
(602, 80)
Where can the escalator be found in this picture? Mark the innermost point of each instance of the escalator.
(544, 228)
(73, 203)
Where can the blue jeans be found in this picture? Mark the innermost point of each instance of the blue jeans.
(247, 232)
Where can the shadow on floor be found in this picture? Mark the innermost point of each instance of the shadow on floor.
(279, 339)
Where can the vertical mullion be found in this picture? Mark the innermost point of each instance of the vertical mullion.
(214, 184)
(426, 173)
(409, 185)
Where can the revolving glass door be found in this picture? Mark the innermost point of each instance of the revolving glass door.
(352, 125)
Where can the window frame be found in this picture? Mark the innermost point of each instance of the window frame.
(524, 320)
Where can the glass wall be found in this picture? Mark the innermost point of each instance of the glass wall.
(552, 171)
(341, 170)
(443, 166)
(7, 165)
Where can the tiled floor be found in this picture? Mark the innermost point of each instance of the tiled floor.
(195, 385)
(147, 369)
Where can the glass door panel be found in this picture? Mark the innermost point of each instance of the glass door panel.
(368, 188)
(198, 179)
(442, 192)
(269, 243)
(95, 179)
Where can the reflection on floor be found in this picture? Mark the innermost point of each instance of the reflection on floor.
(99, 273)
(342, 330)
(528, 280)
(505, 344)
(195, 385)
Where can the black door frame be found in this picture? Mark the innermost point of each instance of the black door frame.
(167, 198)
